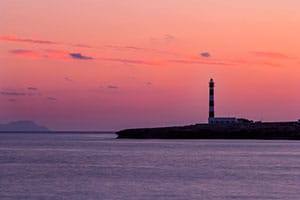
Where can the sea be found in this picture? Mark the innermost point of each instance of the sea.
(99, 166)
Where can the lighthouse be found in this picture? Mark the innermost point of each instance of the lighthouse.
(211, 100)
(211, 113)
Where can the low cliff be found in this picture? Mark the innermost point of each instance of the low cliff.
(274, 130)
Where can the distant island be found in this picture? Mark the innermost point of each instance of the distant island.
(23, 126)
(258, 130)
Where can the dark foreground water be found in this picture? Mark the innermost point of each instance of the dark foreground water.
(77, 166)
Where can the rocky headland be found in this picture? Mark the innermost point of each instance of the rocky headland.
(266, 131)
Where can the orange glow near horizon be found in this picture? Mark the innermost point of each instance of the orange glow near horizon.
(107, 65)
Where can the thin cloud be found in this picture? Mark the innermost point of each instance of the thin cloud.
(239, 62)
(40, 54)
(117, 47)
(139, 49)
(48, 42)
(187, 61)
(43, 42)
(12, 100)
(21, 51)
(27, 53)
(49, 53)
(114, 87)
(82, 45)
(13, 93)
(15, 39)
(270, 64)
(52, 99)
(130, 61)
(166, 38)
(200, 62)
(270, 54)
(68, 79)
(80, 56)
(205, 54)
(55, 54)
(149, 83)
(195, 60)
(32, 88)
(169, 38)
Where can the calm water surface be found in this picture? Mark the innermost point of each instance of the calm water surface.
(94, 166)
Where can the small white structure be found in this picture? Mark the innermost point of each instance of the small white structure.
(223, 120)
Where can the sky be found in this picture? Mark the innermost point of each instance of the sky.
(111, 64)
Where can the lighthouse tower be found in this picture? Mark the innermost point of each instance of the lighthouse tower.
(219, 120)
(211, 100)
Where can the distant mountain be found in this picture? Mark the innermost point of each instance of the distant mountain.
(22, 126)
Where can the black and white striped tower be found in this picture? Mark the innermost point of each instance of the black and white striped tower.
(211, 99)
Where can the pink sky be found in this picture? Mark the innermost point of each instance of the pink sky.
(108, 65)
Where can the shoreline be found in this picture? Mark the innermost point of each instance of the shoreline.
(260, 131)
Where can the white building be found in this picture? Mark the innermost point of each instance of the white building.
(223, 120)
